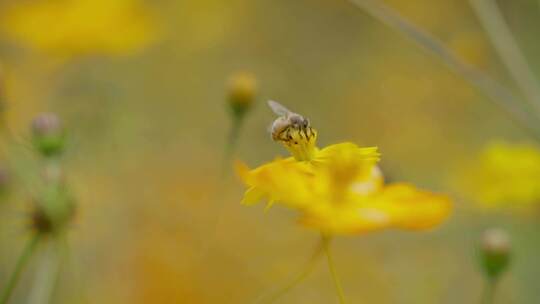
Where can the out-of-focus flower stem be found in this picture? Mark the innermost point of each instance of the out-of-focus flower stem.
(326, 244)
(498, 93)
(31, 246)
(508, 49)
(488, 295)
(47, 275)
(72, 266)
(231, 143)
(298, 279)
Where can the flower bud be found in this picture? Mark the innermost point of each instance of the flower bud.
(48, 134)
(495, 252)
(242, 92)
(53, 209)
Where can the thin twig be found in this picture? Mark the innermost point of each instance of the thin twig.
(508, 49)
(499, 94)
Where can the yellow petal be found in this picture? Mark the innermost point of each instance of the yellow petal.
(411, 208)
(283, 180)
(395, 206)
(342, 191)
(253, 196)
(345, 219)
(346, 163)
(348, 148)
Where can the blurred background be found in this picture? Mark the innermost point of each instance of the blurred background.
(142, 88)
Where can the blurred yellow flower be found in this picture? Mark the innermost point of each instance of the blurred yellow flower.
(80, 27)
(504, 175)
(339, 189)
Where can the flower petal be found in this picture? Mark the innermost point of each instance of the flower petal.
(284, 180)
(411, 208)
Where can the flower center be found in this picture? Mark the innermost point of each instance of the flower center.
(300, 141)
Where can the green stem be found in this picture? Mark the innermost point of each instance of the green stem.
(231, 143)
(71, 265)
(488, 295)
(298, 279)
(498, 93)
(47, 275)
(326, 244)
(508, 49)
(19, 267)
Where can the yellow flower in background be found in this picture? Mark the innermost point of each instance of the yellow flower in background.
(80, 27)
(338, 189)
(504, 175)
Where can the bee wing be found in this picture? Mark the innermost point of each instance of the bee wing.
(278, 108)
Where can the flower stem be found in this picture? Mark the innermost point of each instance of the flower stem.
(19, 267)
(326, 244)
(508, 49)
(298, 279)
(231, 143)
(70, 264)
(498, 93)
(488, 294)
(46, 276)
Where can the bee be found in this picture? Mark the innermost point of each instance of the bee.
(286, 122)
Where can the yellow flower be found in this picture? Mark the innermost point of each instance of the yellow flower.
(338, 189)
(504, 175)
(396, 205)
(294, 183)
(80, 27)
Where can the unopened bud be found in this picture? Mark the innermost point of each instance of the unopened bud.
(242, 92)
(495, 252)
(48, 133)
(53, 210)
